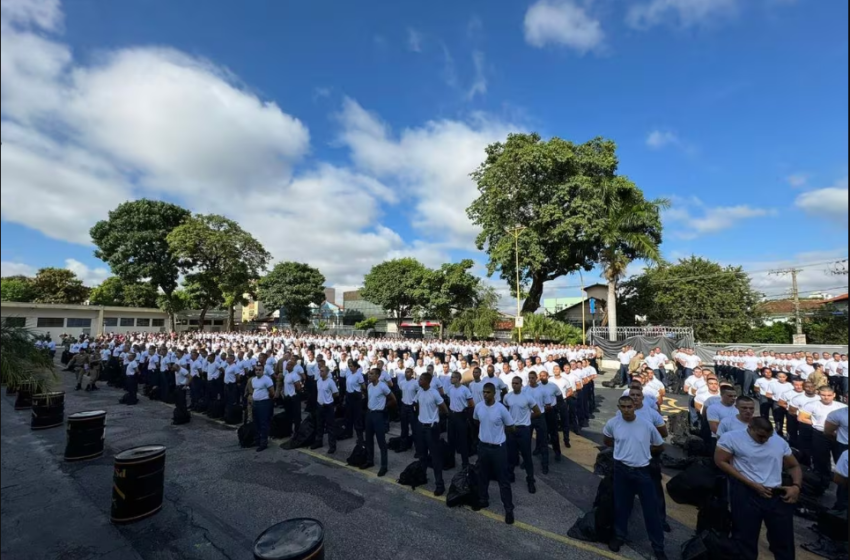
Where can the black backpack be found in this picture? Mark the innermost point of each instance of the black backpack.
(693, 486)
(181, 417)
(233, 414)
(463, 490)
(281, 428)
(215, 410)
(247, 435)
(415, 475)
(304, 437)
(358, 457)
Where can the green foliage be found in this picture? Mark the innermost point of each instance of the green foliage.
(219, 257)
(323, 326)
(718, 302)
(827, 326)
(116, 292)
(17, 288)
(478, 321)
(777, 333)
(21, 361)
(292, 287)
(541, 327)
(397, 286)
(173, 304)
(366, 324)
(59, 285)
(562, 194)
(449, 290)
(133, 242)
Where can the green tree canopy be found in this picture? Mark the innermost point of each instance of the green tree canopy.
(116, 292)
(827, 326)
(217, 255)
(479, 320)
(59, 285)
(717, 301)
(397, 286)
(292, 287)
(133, 242)
(449, 290)
(556, 190)
(17, 288)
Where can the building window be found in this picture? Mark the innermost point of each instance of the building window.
(50, 323)
(218, 323)
(143, 322)
(158, 323)
(15, 322)
(110, 322)
(79, 323)
(128, 322)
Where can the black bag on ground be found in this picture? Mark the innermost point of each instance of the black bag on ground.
(584, 529)
(415, 475)
(670, 462)
(233, 414)
(463, 490)
(715, 516)
(693, 486)
(598, 524)
(709, 545)
(358, 457)
(215, 410)
(281, 428)
(200, 407)
(340, 430)
(181, 417)
(394, 444)
(832, 524)
(604, 464)
(247, 435)
(304, 437)
(449, 461)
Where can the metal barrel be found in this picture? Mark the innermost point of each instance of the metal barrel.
(295, 539)
(85, 435)
(48, 410)
(138, 483)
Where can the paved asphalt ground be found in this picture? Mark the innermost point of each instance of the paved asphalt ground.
(219, 497)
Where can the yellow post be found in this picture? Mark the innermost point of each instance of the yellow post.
(583, 316)
(515, 232)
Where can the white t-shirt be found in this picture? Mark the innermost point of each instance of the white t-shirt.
(841, 465)
(261, 386)
(632, 440)
(820, 411)
(326, 389)
(759, 463)
(751, 363)
(839, 418)
(429, 405)
(132, 369)
(730, 424)
(520, 406)
(492, 422)
(695, 383)
(717, 412)
(763, 384)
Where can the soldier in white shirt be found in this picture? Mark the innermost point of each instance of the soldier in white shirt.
(380, 397)
(214, 382)
(494, 423)
(634, 441)
(409, 386)
(746, 408)
(523, 408)
(430, 404)
(624, 357)
(818, 412)
(262, 393)
(132, 372)
(719, 411)
(754, 459)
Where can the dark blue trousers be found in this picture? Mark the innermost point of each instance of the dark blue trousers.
(376, 429)
(262, 419)
(540, 431)
(429, 444)
(493, 462)
(354, 415)
(519, 444)
(628, 483)
(459, 436)
(563, 421)
(749, 511)
(623, 375)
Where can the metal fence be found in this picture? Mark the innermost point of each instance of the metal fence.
(624, 333)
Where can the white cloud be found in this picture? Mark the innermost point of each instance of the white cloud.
(695, 219)
(414, 40)
(430, 164)
(44, 14)
(479, 83)
(683, 13)
(798, 180)
(814, 276)
(91, 277)
(658, 139)
(830, 203)
(8, 268)
(565, 23)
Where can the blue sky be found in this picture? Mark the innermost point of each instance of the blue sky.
(342, 133)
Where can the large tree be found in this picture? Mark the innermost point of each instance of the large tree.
(116, 292)
(292, 287)
(828, 325)
(718, 302)
(17, 288)
(555, 190)
(449, 290)
(133, 242)
(631, 230)
(479, 320)
(213, 251)
(396, 286)
(59, 285)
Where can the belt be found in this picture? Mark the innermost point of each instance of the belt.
(491, 445)
(432, 425)
(377, 411)
(625, 466)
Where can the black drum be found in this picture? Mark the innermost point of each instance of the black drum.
(138, 483)
(48, 410)
(296, 539)
(85, 435)
(11, 390)
(24, 396)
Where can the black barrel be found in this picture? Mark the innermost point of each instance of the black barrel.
(23, 401)
(138, 483)
(85, 435)
(296, 539)
(11, 390)
(48, 410)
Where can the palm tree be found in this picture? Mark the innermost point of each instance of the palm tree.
(21, 361)
(632, 231)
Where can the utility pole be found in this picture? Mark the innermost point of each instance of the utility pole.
(795, 297)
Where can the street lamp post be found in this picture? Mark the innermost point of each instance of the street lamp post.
(515, 231)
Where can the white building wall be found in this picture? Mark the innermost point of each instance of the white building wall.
(33, 312)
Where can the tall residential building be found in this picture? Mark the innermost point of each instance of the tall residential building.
(330, 295)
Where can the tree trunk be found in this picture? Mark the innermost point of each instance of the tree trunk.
(611, 307)
(172, 318)
(532, 302)
(231, 318)
(202, 319)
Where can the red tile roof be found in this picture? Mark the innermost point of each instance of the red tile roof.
(786, 306)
